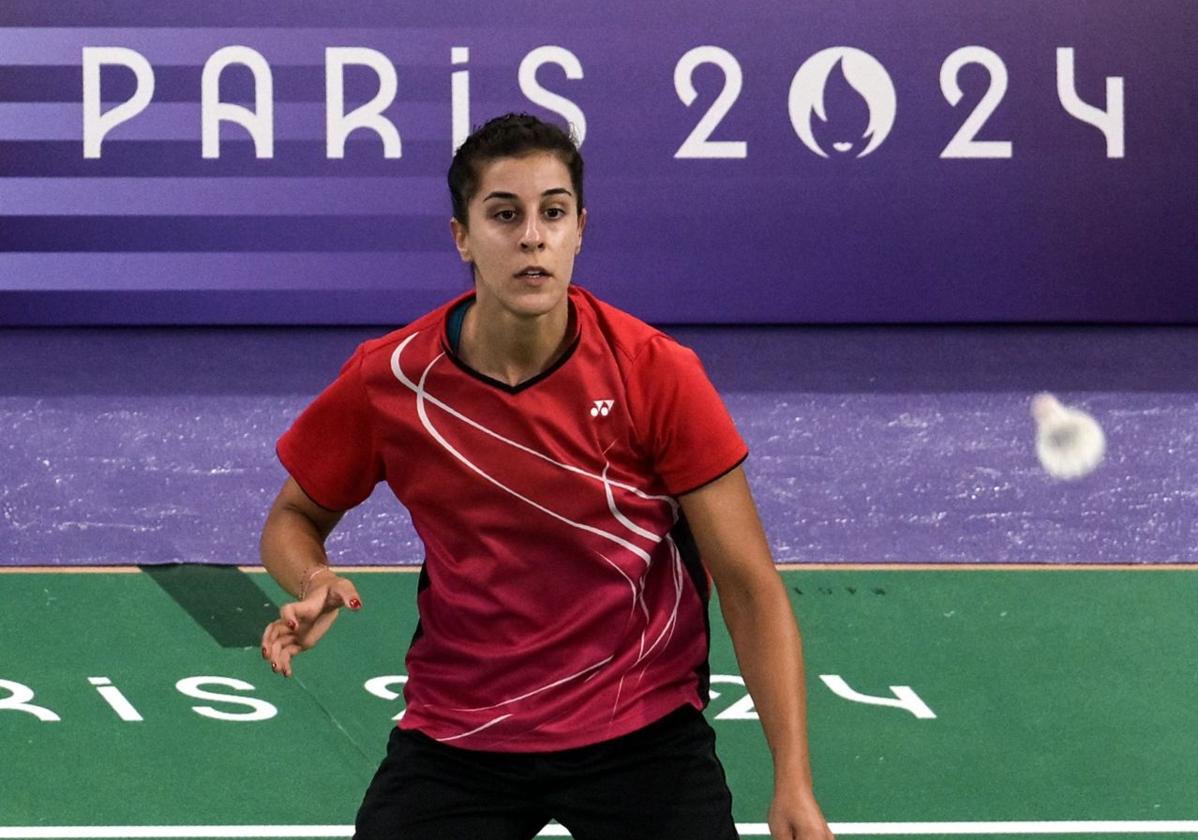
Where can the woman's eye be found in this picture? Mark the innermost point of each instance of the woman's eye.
(555, 212)
(505, 215)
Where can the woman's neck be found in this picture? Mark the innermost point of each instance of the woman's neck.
(511, 348)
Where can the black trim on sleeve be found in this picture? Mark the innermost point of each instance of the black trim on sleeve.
(703, 484)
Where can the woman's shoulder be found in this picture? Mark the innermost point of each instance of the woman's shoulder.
(629, 336)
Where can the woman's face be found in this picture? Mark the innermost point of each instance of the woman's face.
(524, 232)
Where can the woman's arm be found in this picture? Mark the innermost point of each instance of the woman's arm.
(765, 635)
(292, 551)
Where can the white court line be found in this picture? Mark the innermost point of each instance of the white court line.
(152, 832)
(1016, 828)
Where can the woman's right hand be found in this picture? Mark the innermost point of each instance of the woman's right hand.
(302, 623)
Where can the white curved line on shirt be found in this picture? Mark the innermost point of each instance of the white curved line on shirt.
(616, 705)
(648, 618)
(486, 725)
(422, 397)
(432, 430)
(538, 690)
(667, 632)
(631, 584)
(399, 374)
(615, 511)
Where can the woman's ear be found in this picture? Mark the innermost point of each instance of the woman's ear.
(582, 223)
(460, 239)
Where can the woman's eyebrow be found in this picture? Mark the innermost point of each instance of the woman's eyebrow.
(507, 196)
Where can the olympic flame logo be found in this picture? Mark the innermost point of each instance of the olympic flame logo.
(864, 74)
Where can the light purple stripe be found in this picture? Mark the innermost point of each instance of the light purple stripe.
(423, 46)
(239, 272)
(181, 121)
(410, 196)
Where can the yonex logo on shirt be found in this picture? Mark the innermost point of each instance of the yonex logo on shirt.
(602, 408)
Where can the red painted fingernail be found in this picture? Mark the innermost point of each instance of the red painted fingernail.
(291, 624)
(355, 604)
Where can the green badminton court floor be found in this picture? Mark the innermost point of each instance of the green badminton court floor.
(942, 703)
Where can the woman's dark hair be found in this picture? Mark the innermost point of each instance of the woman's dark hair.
(512, 135)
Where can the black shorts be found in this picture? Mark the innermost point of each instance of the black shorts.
(659, 783)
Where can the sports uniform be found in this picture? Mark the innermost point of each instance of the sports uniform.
(562, 603)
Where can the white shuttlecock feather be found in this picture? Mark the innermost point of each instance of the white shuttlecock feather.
(1069, 442)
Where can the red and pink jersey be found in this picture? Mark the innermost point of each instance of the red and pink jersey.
(561, 601)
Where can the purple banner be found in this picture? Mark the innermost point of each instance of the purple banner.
(768, 162)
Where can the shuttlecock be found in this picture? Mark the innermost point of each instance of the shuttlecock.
(1069, 442)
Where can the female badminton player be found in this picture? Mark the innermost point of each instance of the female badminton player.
(577, 483)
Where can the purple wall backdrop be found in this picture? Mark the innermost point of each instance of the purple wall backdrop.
(1068, 223)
